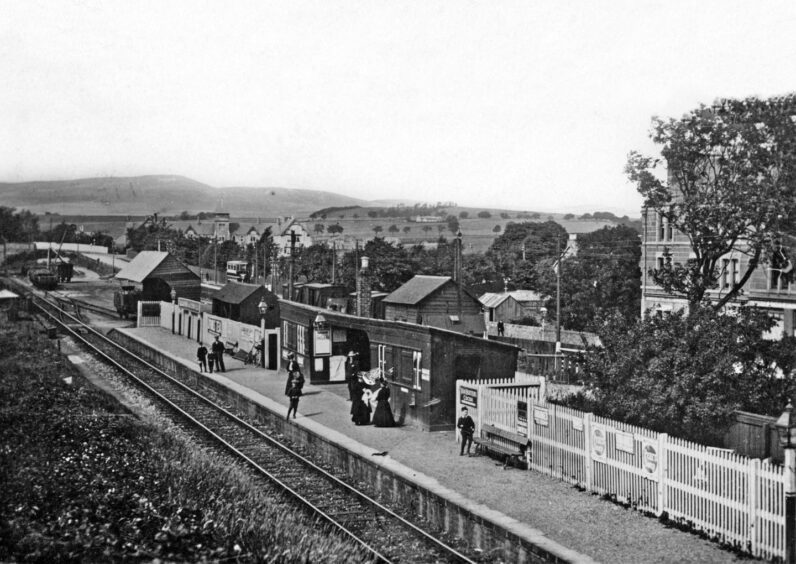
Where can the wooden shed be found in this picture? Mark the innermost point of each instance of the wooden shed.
(420, 363)
(240, 302)
(157, 273)
(436, 301)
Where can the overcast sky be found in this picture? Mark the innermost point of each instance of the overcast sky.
(525, 105)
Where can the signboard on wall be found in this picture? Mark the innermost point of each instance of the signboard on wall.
(214, 326)
(468, 396)
(624, 442)
(541, 416)
(323, 342)
(599, 444)
(650, 462)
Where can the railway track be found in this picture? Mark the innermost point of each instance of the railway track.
(381, 532)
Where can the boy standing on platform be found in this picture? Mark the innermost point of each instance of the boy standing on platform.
(466, 426)
(201, 356)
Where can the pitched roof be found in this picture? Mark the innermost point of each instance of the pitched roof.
(142, 266)
(525, 296)
(417, 289)
(236, 292)
(491, 299)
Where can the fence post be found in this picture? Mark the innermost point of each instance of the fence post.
(587, 446)
(752, 477)
(139, 310)
(480, 403)
(663, 472)
(458, 407)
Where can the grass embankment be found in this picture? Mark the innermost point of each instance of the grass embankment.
(82, 480)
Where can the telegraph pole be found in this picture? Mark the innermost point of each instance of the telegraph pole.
(559, 265)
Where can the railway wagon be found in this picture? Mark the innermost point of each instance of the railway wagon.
(43, 279)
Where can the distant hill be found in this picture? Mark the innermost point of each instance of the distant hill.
(164, 194)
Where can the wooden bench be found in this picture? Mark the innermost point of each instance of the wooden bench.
(241, 355)
(511, 446)
(230, 346)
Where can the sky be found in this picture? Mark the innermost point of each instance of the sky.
(526, 105)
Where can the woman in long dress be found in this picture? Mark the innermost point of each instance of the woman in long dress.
(382, 416)
(360, 407)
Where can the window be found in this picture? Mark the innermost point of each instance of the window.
(289, 332)
(730, 273)
(416, 370)
(382, 360)
(301, 339)
(665, 231)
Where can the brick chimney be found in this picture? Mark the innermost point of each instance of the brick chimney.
(363, 290)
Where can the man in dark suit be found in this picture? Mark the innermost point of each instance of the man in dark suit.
(218, 350)
(466, 426)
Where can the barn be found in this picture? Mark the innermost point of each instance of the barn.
(157, 273)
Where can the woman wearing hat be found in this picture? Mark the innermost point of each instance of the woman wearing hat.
(382, 416)
(351, 369)
(360, 404)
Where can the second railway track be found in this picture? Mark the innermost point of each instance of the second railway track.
(381, 531)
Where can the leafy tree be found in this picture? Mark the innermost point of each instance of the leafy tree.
(484, 214)
(393, 228)
(569, 216)
(17, 226)
(496, 229)
(315, 264)
(731, 169)
(539, 241)
(686, 373)
(319, 228)
(504, 215)
(389, 265)
(377, 229)
(407, 229)
(464, 215)
(602, 279)
(185, 216)
(426, 228)
(334, 229)
(453, 223)
(373, 213)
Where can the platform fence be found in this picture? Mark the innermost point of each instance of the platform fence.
(735, 500)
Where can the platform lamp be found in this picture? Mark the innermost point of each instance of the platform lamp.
(786, 428)
(174, 307)
(263, 307)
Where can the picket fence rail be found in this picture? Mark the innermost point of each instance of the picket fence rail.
(734, 499)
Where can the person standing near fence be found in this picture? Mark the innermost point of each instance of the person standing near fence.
(466, 426)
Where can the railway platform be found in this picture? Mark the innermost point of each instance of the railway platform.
(573, 525)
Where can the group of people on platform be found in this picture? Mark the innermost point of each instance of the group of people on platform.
(362, 392)
(212, 359)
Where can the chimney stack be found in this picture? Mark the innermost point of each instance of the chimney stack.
(363, 290)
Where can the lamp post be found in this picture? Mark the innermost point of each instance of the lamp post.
(263, 307)
(786, 428)
(174, 307)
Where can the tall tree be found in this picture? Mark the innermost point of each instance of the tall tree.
(602, 278)
(730, 172)
(687, 373)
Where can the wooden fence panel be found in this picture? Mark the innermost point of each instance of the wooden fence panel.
(732, 498)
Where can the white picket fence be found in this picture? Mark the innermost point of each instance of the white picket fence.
(734, 499)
